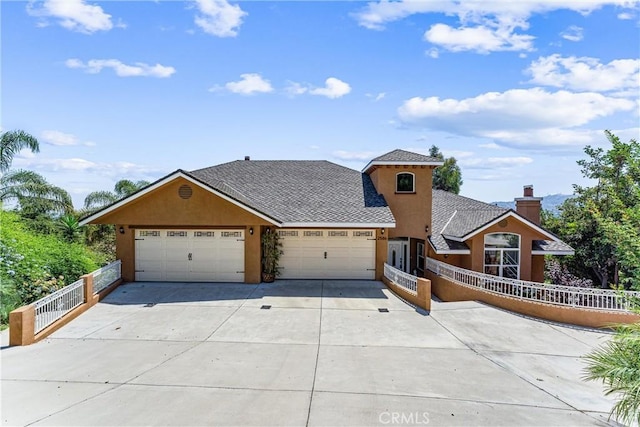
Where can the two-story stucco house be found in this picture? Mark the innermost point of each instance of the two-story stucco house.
(333, 222)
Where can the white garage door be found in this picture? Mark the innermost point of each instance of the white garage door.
(328, 254)
(190, 255)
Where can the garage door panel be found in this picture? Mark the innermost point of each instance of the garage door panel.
(350, 254)
(190, 255)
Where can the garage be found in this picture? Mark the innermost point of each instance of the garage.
(327, 254)
(189, 255)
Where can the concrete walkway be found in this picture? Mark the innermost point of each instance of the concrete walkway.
(321, 355)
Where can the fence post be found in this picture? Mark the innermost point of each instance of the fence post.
(22, 325)
(88, 289)
(424, 292)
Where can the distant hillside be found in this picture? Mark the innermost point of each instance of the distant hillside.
(549, 203)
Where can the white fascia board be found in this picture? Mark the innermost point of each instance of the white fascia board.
(449, 251)
(390, 163)
(167, 179)
(454, 252)
(500, 218)
(337, 225)
(552, 252)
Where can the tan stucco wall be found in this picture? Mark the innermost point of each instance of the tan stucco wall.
(447, 291)
(163, 208)
(381, 252)
(411, 211)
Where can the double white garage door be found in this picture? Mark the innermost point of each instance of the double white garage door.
(190, 255)
(218, 255)
(328, 254)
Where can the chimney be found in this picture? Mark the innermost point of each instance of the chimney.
(247, 158)
(529, 206)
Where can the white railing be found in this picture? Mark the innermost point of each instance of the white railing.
(54, 306)
(402, 279)
(592, 298)
(106, 275)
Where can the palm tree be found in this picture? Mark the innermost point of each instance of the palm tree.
(33, 192)
(11, 143)
(617, 364)
(69, 227)
(122, 189)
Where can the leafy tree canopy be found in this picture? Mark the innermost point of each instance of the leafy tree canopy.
(602, 222)
(447, 177)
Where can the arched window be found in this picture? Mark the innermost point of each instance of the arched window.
(502, 255)
(405, 183)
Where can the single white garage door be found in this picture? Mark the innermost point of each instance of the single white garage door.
(190, 255)
(328, 254)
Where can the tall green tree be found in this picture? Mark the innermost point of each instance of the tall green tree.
(447, 177)
(122, 188)
(11, 143)
(33, 193)
(602, 222)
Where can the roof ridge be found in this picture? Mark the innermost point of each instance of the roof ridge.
(448, 222)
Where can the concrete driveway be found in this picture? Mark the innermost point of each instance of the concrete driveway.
(321, 355)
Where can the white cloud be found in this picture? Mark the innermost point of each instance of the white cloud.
(376, 97)
(485, 26)
(334, 88)
(573, 33)
(433, 53)
(490, 146)
(61, 139)
(139, 69)
(109, 169)
(74, 15)
(481, 39)
(295, 89)
(219, 18)
(583, 73)
(625, 16)
(377, 14)
(520, 117)
(495, 162)
(249, 84)
(354, 155)
(55, 137)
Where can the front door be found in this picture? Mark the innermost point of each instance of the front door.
(397, 255)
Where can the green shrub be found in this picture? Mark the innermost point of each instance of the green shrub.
(9, 300)
(37, 264)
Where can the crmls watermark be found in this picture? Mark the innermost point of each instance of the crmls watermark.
(404, 418)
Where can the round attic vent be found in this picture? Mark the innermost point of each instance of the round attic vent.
(503, 223)
(185, 191)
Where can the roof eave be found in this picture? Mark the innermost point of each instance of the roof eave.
(448, 251)
(393, 163)
(560, 253)
(509, 213)
(338, 225)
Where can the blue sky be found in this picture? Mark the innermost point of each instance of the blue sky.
(513, 90)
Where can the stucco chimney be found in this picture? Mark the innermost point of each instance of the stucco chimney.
(529, 206)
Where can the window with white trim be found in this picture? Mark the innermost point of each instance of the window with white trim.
(405, 183)
(502, 255)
